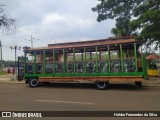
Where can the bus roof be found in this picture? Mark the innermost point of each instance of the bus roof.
(89, 43)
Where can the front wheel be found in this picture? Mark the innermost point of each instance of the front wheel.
(101, 85)
(33, 82)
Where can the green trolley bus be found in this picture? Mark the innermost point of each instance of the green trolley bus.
(98, 61)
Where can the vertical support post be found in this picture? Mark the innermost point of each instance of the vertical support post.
(82, 56)
(141, 55)
(15, 56)
(64, 61)
(96, 59)
(144, 67)
(74, 60)
(121, 55)
(44, 59)
(25, 54)
(34, 70)
(32, 45)
(54, 70)
(135, 56)
(142, 62)
(15, 60)
(84, 60)
(109, 58)
(31, 41)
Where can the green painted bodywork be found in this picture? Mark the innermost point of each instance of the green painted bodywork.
(86, 74)
(54, 67)
(96, 59)
(34, 62)
(121, 54)
(44, 58)
(84, 60)
(74, 60)
(64, 63)
(135, 55)
(109, 57)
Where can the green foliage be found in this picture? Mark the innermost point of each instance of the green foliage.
(9, 63)
(3, 73)
(124, 29)
(132, 15)
(118, 10)
(153, 66)
(114, 9)
(148, 19)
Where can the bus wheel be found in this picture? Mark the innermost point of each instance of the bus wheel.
(101, 85)
(138, 84)
(33, 82)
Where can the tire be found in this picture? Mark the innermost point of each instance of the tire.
(33, 82)
(101, 85)
(138, 84)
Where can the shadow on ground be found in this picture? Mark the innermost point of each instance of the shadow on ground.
(92, 86)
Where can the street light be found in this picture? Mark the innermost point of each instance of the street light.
(15, 47)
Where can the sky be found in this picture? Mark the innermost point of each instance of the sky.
(52, 21)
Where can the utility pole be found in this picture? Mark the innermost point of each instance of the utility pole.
(31, 41)
(15, 54)
(1, 56)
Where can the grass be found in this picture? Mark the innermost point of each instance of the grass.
(3, 73)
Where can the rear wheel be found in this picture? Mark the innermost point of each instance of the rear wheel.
(138, 84)
(101, 85)
(33, 82)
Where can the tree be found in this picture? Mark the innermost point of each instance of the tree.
(142, 14)
(123, 30)
(6, 24)
(148, 20)
(118, 10)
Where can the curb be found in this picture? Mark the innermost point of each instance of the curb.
(15, 82)
(151, 84)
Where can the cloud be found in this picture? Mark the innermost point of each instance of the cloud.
(68, 21)
(53, 20)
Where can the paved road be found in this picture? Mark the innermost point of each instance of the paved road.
(63, 97)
